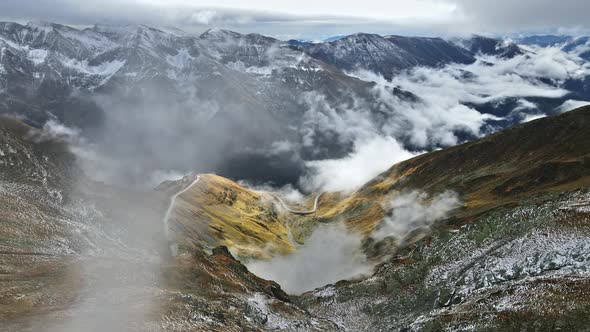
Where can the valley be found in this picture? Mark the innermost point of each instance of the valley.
(309, 166)
(513, 230)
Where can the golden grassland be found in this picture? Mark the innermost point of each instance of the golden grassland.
(217, 211)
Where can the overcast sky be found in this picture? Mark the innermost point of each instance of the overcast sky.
(318, 19)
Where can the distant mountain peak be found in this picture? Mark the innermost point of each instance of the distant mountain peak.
(215, 34)
(360, 35)
(42, 24)
(129, 28)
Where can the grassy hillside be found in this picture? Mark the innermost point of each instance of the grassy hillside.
(217, 211)
(548, 155)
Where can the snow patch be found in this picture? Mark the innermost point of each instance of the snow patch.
(37, 56)
(259, 307)
(104, 69)
(241, 67)
(181, 60)
(325, 292)
(531, 117)
(571, 104)
(90, 39)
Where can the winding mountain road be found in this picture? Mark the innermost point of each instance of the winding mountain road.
(315, 205)
(173, 246)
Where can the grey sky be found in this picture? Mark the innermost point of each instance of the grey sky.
(317, 19)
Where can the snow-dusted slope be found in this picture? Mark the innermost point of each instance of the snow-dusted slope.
(122, 83)
(388, 55)
(45, 64)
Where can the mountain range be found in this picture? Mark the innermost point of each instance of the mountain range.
(259, 89)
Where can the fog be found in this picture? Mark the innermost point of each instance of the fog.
(334, 253)
(330, 254)
(116, 251)
(413, 210)
(368, 158)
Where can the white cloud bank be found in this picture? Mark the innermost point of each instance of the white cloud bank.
(435, 119)
(368, 159)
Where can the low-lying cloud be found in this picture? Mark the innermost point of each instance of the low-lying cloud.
(571, 104)
(446, 111)
(336, 145)
(330, 254)
(333, 253)
(413, 210)
(368, 159)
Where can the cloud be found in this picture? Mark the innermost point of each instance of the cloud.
(438, 115)
(446, 91)
(413, 210)
(570, 104)
(338, 145)
(316, 20)
(491, 78)
(445, 111)
(368, 158)
(53, 129)
(337, 122)
(287, 192)
(285, 20)
(523, 105)
(326, 125)
(204, 17)
(330, 254)
(159, 176)
(536, 15)
(377, 141)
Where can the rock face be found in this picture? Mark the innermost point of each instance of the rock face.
(513, 255)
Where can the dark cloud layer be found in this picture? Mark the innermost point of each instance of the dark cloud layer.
(526, 15)
(468, 16)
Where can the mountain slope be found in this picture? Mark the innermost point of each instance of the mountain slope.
(387, 55)
(486, 174)
(491, 46)
(501, 261)
(102, 78)
(510, 250)
(216, 211)
(80, 255)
